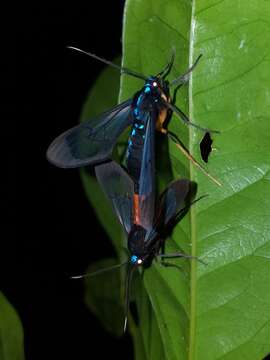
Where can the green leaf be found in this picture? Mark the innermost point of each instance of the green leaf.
(104, 296)
(11, 332)
(147, 340)
(221, 310)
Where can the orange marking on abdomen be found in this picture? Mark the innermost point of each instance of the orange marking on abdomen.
(162, 116)
(136, 209)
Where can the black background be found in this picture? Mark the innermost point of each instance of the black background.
(56, 232)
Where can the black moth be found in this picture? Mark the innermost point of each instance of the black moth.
(93, 141)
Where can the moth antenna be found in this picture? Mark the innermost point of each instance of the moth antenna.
(98, 271)
(107, 62)
(168, 66)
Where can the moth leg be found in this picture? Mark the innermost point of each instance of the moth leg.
(182, 148)
(167, 264)
(182, 116)
(178, 255)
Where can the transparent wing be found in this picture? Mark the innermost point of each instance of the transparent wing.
(92, 141)
(147, 177)
(119, 188)
(172, 200)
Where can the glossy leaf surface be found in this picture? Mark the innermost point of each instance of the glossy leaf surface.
(222, 310)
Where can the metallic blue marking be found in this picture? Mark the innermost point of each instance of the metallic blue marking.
(147, 89)
(133, 259)
(139, 100)
(133, 132)
(136, 111)
(139, 126)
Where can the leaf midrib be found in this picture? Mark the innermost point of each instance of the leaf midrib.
(193, 282)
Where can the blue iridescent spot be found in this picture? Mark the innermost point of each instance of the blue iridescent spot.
(133, 259)
(139, 100)
(133, 132)
(139, 126)
(136, 111)
(147, 89)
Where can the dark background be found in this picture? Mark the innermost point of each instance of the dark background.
(56, 232)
